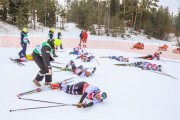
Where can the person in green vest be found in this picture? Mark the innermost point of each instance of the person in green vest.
(51, 38)
(42, 57)
(24, 41)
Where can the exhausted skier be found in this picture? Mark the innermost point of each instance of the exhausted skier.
(148, 66)
(155, 56)
(80, 71)
(82, 88)
(119, 58)
(85, 58)
(77, 51)
(25, 59)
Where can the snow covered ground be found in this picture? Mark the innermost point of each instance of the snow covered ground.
(133, 94)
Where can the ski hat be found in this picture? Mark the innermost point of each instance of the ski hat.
(104, 95)
(52, 30)
(57, 42)
(25, 30)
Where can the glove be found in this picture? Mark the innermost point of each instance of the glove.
(80, 105)
(94, 68)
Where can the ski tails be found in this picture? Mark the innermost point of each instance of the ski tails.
(34, 91)
(14, 60)
(44, 88)
(130, 64)
(61, 68)
(105, 57)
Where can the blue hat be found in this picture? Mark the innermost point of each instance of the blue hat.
(104, 95)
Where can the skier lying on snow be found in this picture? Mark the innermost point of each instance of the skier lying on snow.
(155, 56)
(119, 58)
(77, 50)
(25, 59)
(82, 88)
(80, 71)
(148, 66)
(85, 58)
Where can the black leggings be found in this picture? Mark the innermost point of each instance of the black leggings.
(148, 56)
(39, 61)
(73, 66)
(75, 89)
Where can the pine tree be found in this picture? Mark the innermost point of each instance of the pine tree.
(3, 9)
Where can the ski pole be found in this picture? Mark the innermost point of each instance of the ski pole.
(40, 101)
(163, 61)
(162, 73)
(56, 67)
(57, 62)
(61, 105)
(96, 60)
(171, 61)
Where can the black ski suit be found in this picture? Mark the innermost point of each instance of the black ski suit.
(43, 62)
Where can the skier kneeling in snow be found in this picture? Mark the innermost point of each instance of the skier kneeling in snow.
(119, 58)
(25, 59)
(80, 71)
(82, 88)
(148, 66)
(85, 58)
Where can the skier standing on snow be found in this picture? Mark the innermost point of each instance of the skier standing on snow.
(42, 57)
(84, 37)
(24, 41)
(82, 88)
(81, 37)
(59, 36)
(80, 71)
(51, 39)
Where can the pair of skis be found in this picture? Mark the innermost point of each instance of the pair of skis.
(45, 88)
(15, 60)
(61, 68)
(162, 73)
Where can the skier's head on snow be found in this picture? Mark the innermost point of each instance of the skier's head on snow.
(160, 53)
(100, 96)
(87, 73)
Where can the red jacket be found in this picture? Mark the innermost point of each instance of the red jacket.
(156, 55)
(85, 35)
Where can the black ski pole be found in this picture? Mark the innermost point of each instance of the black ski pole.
(162, 73)
(61, 105)
(40, 100)
(171, 61)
